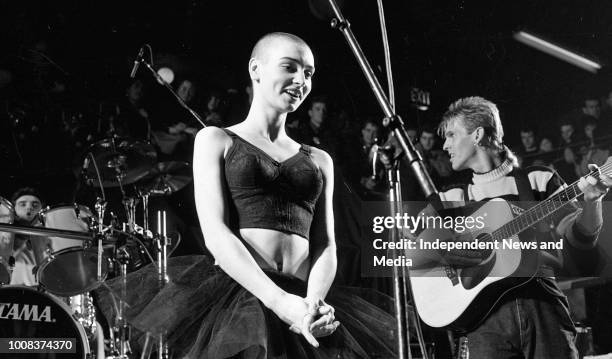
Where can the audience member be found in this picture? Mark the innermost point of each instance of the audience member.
(213, 115)
(315, 132)
(591, 107)
(546, 154)
(354, 158)
(436, 160)
(174, 127)
(590, 151)
(528, 147)
(568, 163)
(132, 118)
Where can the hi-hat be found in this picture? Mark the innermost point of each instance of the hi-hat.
(167, 178)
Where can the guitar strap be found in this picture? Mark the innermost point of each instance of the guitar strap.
(523, 185)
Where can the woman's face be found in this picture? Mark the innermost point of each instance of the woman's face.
(285, 75)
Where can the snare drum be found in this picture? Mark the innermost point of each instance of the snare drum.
(26, 313)
(70, 269)
(7, 215)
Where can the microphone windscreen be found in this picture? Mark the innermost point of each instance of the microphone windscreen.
(166, 74)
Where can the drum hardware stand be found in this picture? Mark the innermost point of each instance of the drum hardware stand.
(162, 242)
(129, 203)
(120, 332)
(100, 207)
(145, 213)
(162, 273)
(11, 268)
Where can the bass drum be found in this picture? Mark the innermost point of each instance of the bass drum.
(26, 313)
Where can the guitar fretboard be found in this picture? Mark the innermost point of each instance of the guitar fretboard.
(544, 209)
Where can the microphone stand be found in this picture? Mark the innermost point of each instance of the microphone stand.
(415, 161)
(167, 85)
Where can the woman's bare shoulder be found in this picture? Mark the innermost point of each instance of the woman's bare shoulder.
(322, 159)
(212, 137)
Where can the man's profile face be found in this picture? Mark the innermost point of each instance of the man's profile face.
(528, 139)
(427, 140)
(27, 207)
(459, 144)
(285, 69)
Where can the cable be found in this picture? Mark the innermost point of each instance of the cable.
(383, 30)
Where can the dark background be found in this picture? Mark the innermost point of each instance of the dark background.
(449, 48)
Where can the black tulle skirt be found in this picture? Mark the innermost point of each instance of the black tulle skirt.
(206, 314)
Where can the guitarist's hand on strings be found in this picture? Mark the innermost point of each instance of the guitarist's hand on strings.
(593, 188)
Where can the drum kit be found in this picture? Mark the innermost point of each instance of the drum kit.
(76, 251)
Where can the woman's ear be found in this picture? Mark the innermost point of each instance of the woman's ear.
(254, 69)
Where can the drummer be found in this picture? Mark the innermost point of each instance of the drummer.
(27, 203)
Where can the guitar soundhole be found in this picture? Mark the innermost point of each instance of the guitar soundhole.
(472, 276)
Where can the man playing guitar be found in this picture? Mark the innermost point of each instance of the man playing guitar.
(530, 320)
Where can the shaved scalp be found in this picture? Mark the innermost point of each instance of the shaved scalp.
(260, 50)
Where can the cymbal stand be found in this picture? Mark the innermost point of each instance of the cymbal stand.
(100, 207)
(129, 203)
(144, 195)
(162, 273)
(120, 332)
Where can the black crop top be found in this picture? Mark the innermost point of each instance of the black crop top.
(270, 194)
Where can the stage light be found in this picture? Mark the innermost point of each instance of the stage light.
(557, 51)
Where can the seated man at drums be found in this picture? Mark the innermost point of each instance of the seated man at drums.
(28, 251)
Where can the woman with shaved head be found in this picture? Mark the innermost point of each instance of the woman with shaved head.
(265, 208)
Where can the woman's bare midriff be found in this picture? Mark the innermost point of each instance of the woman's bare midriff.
(283, 252)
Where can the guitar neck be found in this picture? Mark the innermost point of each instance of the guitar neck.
(541, 210)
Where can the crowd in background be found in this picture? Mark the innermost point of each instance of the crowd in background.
(50, 131)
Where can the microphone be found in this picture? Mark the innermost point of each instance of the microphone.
(137, 63)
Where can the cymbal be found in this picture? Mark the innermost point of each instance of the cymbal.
(120, 159)
(167, 178)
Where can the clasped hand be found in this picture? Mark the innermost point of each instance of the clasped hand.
(312, 319)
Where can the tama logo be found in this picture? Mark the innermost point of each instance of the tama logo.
(17, 311)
